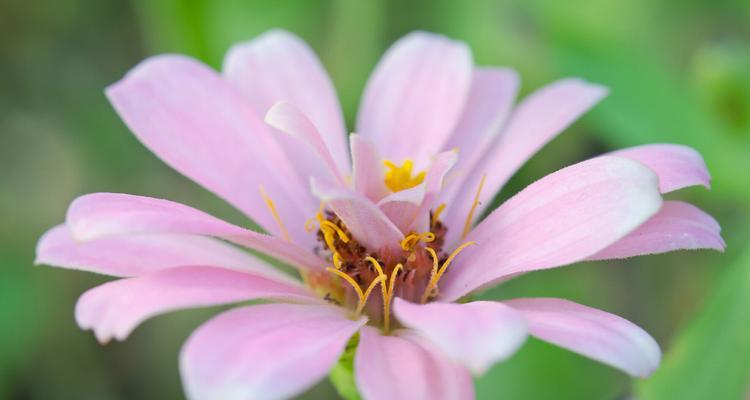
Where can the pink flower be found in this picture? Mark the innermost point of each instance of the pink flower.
(384, 242)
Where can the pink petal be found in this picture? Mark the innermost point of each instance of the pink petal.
(409, 209)
(99, 215)
(364, 220)
(593, 333)
(537, 120)
(492, 93)
(677, 166)
(198, 124)
(415, 96)
(475, 334)
(677, 226)
(135, 255)
(394, 368)
(560, 219)
(279, 66)
(402, 207)
(368, 173)
(289, 119)
(271, 351)
(115, 308)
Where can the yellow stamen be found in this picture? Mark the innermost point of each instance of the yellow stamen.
(436, 215)
(399, 178)
(272, 207)
(470, 217)
(387, 300)
(363, 296)
(351, 281)
(361, 305)
(437, 275)
(434, 262)
(309, 224)
(337, 260)
(413, 238)
(333, 227)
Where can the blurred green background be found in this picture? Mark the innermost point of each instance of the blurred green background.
(679, 71)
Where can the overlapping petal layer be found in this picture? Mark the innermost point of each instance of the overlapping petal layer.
(395, 368)
(594, 333)
(475, 334)
(271, 351)
(114, 309)
(100, 215)
(560, 219)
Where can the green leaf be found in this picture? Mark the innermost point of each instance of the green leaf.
(711, 359)
(342, 374)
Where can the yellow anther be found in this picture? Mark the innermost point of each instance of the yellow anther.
(413, 238)
(436, 215)
(328, 225)
(438, 273)
(399, 178)
(337, 260)
(470, 217)
(274, 212)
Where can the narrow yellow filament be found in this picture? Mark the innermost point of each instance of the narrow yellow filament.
(362, 296)
(436, 215)
(274, 212)
(399, 178)
(434, 262)
(384, 290)
(351, 281)
(375, 264)
(361, 305)
(470, 217)
(413, 238)
(436, 276)
(387, 300)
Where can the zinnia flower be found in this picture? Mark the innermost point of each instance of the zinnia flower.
(386, 236)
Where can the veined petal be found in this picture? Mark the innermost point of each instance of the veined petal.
(201, 126)
(415, 96)
(538, 119)
(394, 368)
(677, 166)
(271, 351)
(364, 220)
(114, 309)
(562, 218)
(279, 66)
(475, 334)
(677, 226)
(100, 215)
(134, 255)
(593, 333)
(289, 119)
(367, 171)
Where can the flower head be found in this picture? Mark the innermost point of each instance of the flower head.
(385, 232)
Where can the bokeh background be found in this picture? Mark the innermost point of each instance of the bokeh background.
(679, 71)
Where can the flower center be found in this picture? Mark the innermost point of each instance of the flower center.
(399, 178)
(367, 281)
